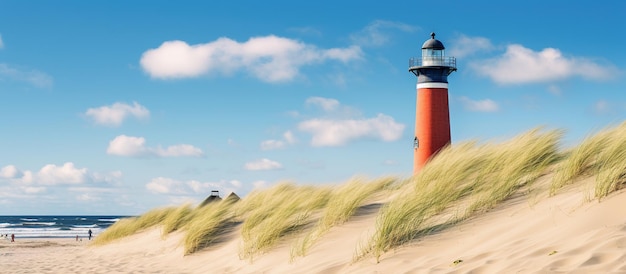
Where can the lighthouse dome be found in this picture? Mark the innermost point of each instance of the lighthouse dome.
(433, 43)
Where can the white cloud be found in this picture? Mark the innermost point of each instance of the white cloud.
(179, 150)
(278, 144)
(329, 132)
(269, 58)
(131, 146)
(162, 185)
(465, 45)
(327, 104)
(10, 172)
(124, 145)
(66, 174)
(377, 33)
(486, 105)
(33, 77)
(115, 114)
(520, 65)
(263, 164)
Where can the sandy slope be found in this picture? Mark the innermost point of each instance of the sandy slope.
(523, 235)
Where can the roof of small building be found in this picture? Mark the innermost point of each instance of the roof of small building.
(232, 197)
(212, 198)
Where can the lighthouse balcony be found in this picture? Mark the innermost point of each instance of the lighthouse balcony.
(432, 61)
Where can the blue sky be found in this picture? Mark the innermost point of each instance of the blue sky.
(116, 107)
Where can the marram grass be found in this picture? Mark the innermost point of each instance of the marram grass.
(206, 225)
(513, 164)
(602, 155)
(581, 160)
(343, 203)
(277, 212)
(129, 226)
(611, 170)
(177, 219)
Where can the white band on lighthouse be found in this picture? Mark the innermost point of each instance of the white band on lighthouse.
(432, 85)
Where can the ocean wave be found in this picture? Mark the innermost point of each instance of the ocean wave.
(22, 230)
(29, 219)
(109, 220)
(40, 223)
(85, 226)
(5, 224)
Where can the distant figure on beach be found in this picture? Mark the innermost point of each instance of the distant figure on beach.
(12, 237)
(77, 238)
(89, 234)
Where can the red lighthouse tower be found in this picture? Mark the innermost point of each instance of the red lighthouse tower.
(432, 117)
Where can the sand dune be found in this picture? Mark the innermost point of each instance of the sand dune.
(526, 234)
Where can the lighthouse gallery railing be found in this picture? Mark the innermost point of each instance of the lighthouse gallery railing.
(432, 61)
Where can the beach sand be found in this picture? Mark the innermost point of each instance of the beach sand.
(560, 234)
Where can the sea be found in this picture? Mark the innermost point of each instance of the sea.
(55, 226)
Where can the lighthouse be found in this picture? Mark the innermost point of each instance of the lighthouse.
(432, 117)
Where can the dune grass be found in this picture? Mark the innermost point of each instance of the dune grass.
(129, 226)
(513, 164)
(207, 224)
(602, 155)
(611, 166)
(483, 174)
(276, 213)
(177, 218)
(343, 203)
(582, 160)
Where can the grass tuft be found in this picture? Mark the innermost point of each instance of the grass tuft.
(580, 161)
(176, 219)
(207, 224)
(601, 155)
(129, 226)
(276, 213)
(343, 203)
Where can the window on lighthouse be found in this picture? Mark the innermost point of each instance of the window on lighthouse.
(432, 56)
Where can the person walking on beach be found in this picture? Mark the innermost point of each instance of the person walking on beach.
(12, 237)
(89, 234)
